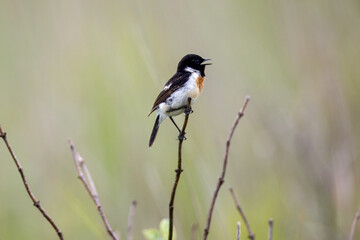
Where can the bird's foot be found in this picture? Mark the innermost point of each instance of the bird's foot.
(187, 112)
(182, 137)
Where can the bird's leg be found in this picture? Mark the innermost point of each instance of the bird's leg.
(179, 137)
(175, 124)
(188, 110)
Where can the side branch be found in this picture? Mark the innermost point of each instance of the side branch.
(238, 231)
(353, 226)
(28, 189)
(131, 220)
(222, 176)
(251, 234)
(271, 226)
(86, 179)
(178, 170)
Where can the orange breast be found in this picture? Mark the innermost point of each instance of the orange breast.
(200, 83)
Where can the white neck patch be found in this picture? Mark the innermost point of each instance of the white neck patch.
(189, 69)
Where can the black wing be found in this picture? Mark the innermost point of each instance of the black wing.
(176, 82)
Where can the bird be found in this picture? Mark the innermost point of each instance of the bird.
(187, 82)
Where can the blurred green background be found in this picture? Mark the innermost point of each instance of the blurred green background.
(90, 70)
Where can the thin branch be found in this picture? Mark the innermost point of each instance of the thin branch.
(194, 229)
(238, 207)
(222, 176)
(271, 225)
(178, 170)
(85, 177)
(238, 231)
(131, 220)
(353, 226)
(27, 186)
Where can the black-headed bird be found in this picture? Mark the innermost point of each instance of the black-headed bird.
(187, 82)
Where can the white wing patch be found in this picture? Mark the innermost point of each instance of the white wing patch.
(167, 87)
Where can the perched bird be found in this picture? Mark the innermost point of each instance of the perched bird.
(187, 82)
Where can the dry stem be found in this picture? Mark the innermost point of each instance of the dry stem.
(271, 225)
(353, 226)
(238, 233)
(238, 207)
(85, 177)
(222, 176)
(27, 186)
(131, 220)
(178, 170)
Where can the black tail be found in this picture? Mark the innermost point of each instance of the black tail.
(154, 131)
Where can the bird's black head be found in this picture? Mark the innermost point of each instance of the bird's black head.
(193, 61)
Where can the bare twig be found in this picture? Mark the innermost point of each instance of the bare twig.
(85, 177)
(194, 229)
(238, 231)
(271, 225)
(222, 176)
(178, 170)
(131, 220)
(353, 226)
(238, 207)
(28, 189)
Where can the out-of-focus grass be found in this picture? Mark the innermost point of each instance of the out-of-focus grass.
(91, 70)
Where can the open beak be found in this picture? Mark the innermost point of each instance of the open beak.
(205, 61)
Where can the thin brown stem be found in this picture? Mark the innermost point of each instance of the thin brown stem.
(271, 225)
(353, 226)
(131, 220)
(27, 186)
(238, 231)
(178, 170)
(222, 176)
(85, 177)
(243, 216)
